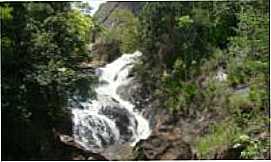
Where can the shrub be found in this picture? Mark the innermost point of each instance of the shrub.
(219, 138)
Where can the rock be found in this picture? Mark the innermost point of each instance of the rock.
(78, 157)
(79, 153)
(104, 52)
(229, 154)
(105, 10)
(119, 152)
(131, 92)
(221, 75)
(166, 142)
(242, 89)
(64, 124)
(163, 147)
(65, 138)
(173, 136)
(90, 158)
(135, 93)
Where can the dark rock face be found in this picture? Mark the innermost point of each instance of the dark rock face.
(135, 93)
(229, 154)
(140, 97)
(166, 142)
(106, 9)
(173, 135)
(177, 133)
(167, 139)
(105, 52)
(122, 118)
(166, 147)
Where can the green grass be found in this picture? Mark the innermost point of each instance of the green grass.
(220, 137)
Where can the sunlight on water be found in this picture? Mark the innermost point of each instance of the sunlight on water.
(109, 119)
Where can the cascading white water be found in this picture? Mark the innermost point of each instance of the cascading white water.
(110, 120)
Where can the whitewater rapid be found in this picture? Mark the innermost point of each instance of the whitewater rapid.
(109, 120)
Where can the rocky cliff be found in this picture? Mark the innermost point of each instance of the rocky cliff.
(106, 9)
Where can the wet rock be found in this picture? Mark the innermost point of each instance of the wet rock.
(91, 158)
(166, 142)
(173, 135)
(119, 152)
(128, 91)
(77, 152)
(229, 154)
(64, 124)
(138, 96)
(122, 118)
(78, 157)
(166, 147)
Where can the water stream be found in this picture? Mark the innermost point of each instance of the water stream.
(109, 120)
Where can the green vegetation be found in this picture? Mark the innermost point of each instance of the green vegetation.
(42, 46)
(253, 147)
(124, 31)
(221, 136)
(185, 46)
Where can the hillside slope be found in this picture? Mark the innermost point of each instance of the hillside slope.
(105, 10)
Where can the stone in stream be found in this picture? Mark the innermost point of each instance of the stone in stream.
(109, 121)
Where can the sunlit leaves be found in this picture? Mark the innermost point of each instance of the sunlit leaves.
(124, 30)
(185, 21)
(6, 12)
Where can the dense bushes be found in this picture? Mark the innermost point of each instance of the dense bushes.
(187, 45)
(42, 45)
(124, 30)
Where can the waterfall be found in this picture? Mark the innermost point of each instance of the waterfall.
(109, 120)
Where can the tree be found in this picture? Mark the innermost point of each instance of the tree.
(43, 43)
(124, 30)
(158, 26)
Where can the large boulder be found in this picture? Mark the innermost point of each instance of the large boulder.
(168, 146)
